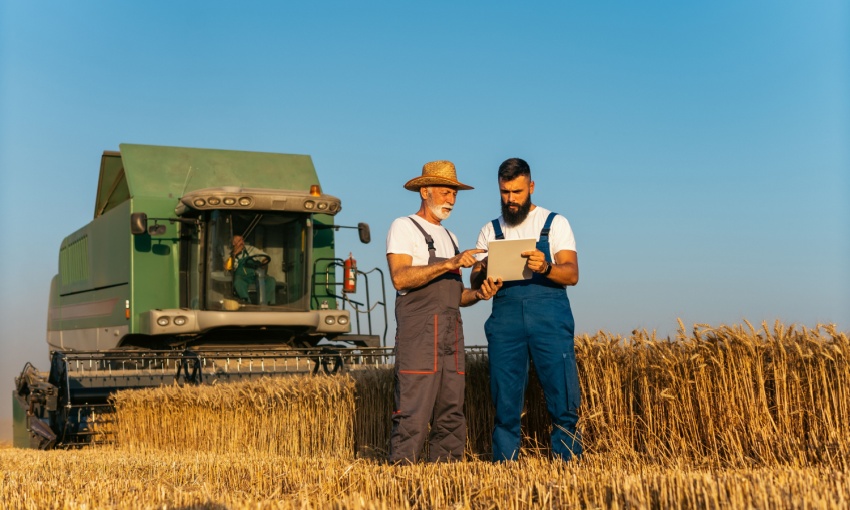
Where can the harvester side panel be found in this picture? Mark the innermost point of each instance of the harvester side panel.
(90, 258)
(93, 284)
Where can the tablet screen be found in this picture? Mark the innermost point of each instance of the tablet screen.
(504, 260)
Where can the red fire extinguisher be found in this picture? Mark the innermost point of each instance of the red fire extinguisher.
(349, 282)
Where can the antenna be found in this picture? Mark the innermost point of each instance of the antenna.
(186, 182)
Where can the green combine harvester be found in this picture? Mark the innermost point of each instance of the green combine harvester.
(199, 266)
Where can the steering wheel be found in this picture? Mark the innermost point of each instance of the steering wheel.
(257, 261)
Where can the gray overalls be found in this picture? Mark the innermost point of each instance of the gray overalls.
(429, 368)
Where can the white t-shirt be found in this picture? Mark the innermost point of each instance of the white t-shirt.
(404, 238)
(560, 234)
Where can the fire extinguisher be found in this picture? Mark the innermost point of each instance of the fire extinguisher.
(349, 282)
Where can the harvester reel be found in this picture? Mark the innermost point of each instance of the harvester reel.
(324, 359)
(193, 377)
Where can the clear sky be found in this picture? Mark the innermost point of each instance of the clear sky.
(699, 149)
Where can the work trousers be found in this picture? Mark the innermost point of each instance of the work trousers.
(535, 320)
(242, 283)
(429, 388)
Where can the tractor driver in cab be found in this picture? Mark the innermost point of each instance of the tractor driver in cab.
(249, 267)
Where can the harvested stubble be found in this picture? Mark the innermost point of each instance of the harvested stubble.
(298, 416)
(108, 478)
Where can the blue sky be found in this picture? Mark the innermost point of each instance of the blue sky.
(699, 149)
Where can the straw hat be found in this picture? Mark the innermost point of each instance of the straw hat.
(436, 173)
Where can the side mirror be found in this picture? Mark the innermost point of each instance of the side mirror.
(138, 223)
(365, 235)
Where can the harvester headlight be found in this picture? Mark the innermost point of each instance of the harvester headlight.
(180, 320)
(330, 319)
(309, 204)
(199, 202)
(343, 320)
(229, 201)
(323, 206)
(214, 201)
(332, 208)
(245, 201)
(163, 321)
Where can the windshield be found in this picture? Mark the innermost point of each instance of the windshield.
(257, 261)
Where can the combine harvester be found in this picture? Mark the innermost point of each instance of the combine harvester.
(151, 291)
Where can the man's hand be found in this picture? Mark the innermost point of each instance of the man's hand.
(479, 274)
(563, 270)
(488, 289)
(464, 259)
(536, 260)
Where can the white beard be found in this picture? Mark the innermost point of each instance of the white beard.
(437, 210)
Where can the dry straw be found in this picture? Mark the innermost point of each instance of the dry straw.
(732, 396)
(300, 416)
(726, 396)
(117, 479)
(725, 417)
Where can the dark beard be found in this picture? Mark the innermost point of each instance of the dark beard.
(515, 218)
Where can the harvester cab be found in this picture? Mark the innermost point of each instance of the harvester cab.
(254, 259)
(199, 265)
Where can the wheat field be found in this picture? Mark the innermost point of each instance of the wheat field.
(717, 417)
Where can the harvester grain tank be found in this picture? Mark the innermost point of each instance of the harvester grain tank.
(199, 265)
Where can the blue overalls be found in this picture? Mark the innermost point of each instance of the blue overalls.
(429, 368)
(533, 316)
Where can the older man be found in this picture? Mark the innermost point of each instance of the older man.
(425, 265)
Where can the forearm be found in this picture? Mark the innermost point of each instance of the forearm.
(564, 274)
(405, 276)
(411, 277)
(469, 297)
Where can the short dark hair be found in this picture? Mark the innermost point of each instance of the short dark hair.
(512, 168)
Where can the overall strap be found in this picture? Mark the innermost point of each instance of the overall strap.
(428, 239)
(544, 234)
(457, 252)
(497, 229)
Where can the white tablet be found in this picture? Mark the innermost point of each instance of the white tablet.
(504, 260)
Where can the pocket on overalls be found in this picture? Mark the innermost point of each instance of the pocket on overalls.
(573, 385)
(416, 344)
(460, 350)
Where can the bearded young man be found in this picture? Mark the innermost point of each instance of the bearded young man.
(425, 264)
(532, 317)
